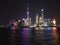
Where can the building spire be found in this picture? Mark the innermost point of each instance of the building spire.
(42, 15)
(37, 18)
(27, 10)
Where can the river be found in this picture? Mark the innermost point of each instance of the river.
(30, 36)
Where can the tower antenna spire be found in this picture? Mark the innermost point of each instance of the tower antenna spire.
(27, 10)
(42, 15)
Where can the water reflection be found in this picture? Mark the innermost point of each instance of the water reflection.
(43, 37)
(55, 38)
(28, 36)
(54, 35)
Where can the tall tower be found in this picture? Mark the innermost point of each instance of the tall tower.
(30, 22)
(27, 11)
(28, 18)
(37, 18)
(41, 19)
(42, 15)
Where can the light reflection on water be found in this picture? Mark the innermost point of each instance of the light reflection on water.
(54, 35)
(29, 36)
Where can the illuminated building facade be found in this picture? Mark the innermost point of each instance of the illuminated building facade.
(28, 19)
(39, 21)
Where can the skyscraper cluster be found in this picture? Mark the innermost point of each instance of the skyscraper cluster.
(39, 20)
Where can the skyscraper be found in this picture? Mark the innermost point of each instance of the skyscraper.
(28, 18)
(42, 15)
(41, 19)
(27, 11)
(37, 18)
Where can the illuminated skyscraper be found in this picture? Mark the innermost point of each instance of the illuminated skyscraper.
(28, 18)
(30, 22)
(27, 11)
(41, 19)
(37, 18)
(54, 22)
(42, 15)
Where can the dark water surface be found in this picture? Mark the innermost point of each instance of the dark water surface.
(28, 36)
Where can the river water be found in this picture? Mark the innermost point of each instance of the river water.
(30, 36)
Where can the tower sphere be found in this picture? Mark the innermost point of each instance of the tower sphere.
(42, 9)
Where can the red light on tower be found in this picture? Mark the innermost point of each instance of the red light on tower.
(15, 24)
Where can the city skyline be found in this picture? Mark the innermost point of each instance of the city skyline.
(17, 9)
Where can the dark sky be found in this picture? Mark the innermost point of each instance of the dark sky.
(16, 9)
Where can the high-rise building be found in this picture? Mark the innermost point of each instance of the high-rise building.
(30, 22)
(37, 19)
(42, 15)
(27, 21)
(41, 19)
(54, 22)
(27, 11)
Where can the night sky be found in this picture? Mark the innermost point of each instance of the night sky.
(16, 9)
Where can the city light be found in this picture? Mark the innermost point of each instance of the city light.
(36, 28)
(15, 24)
(49, 28)
(23, 19)
(54, 22)
(42, 9)
(53, 28)
(19, 20)
(39, 21)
